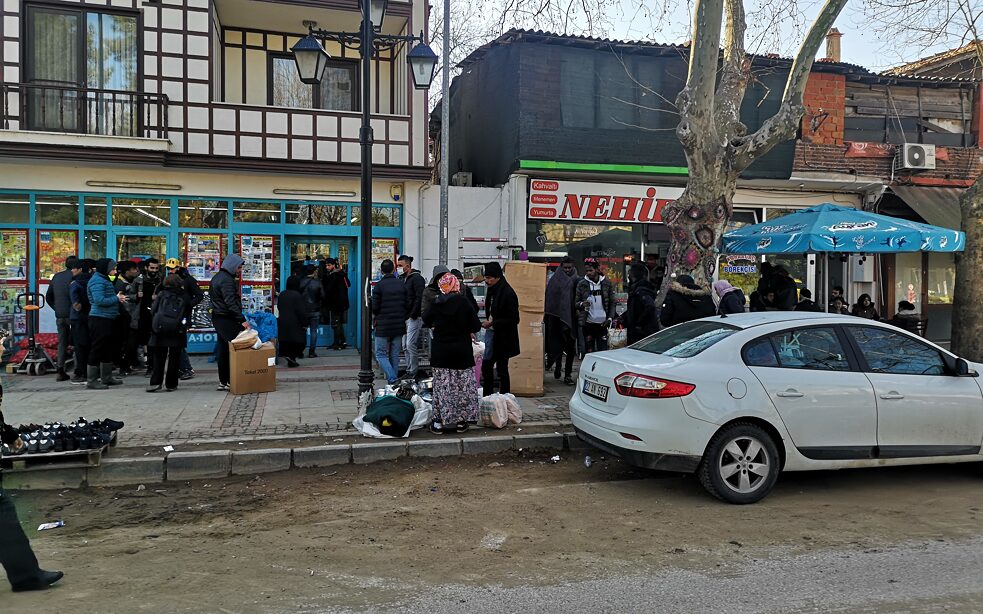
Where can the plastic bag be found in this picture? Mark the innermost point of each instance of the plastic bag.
(494, 412)
(479, 351)
(247, 339)
(617, 338)
(422, 417)
(264, 324)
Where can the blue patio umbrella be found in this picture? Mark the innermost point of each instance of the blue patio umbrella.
(832, 228)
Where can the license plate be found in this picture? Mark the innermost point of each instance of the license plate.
(597, 391)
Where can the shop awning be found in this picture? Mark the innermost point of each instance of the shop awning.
(937, 206)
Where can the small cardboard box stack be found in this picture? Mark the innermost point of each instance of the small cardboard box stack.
(528, 279)
(252, 370)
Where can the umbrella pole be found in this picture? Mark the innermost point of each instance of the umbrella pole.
(825, 282)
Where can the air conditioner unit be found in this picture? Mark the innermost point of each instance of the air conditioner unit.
(918, 156)
(464, 179)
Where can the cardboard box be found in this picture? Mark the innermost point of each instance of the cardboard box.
(527, 376)
(528, 279)
(253, 370)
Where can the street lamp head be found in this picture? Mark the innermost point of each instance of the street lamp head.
(377, 12)
(423, 65)
(311, 59)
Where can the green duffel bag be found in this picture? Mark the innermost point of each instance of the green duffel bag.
(391, 415)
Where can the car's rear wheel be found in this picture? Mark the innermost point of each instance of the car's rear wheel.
(741, 464)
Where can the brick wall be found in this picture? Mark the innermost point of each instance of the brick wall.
(961, 169)
(827, 92)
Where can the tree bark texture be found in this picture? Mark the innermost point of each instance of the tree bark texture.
(717, 145)
(967, 319)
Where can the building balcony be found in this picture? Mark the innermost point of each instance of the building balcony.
(71, 115)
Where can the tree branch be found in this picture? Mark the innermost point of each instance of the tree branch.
(704, 54)
(733, 79)
(784, 124)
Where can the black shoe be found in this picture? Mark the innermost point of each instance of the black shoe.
(569, 381)
(556, 371)
(62, 376)
(40, 583)
(291, 363)
(153, 388)
(186, 375)
(312, 354)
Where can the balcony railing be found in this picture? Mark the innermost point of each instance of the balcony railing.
(82, 110)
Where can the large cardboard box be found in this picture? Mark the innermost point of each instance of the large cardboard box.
(527, 376)
(528, 279)
(253, 370)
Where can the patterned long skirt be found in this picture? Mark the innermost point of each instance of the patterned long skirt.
(455, 396)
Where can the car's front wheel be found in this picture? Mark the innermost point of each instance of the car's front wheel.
(741, 464)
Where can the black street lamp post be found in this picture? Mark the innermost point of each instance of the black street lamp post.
(311, 59)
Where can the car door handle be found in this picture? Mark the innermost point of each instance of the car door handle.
(791, 393)
(892, 396)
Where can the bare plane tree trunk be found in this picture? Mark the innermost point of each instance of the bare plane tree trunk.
(717, 145)
(967, 324)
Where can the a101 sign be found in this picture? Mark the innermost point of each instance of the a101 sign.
(551, 199)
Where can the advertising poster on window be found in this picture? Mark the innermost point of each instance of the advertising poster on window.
(201, 314)
(257, 297)
(257, 251)
(381, 250)
(203, 255)
(13, 254)
(54, 246)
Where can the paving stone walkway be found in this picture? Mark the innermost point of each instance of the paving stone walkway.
(318, 399)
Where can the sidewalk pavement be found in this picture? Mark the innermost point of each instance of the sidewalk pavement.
(316, 400)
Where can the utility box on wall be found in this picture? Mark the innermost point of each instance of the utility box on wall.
(862, 268)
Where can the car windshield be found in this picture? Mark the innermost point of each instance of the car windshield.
(686, 340)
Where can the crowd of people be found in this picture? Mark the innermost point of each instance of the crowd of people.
(123, 317)
(404, 305)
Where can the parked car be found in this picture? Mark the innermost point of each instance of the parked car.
(741, 398)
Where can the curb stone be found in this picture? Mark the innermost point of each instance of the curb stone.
(180, 466)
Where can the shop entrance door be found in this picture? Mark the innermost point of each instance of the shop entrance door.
(312, 250)
(139, 244)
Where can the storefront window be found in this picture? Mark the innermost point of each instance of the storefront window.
(57, 209)
(612, 247)
(95, 210)
(201, 253)
(141, 212)
(384, 217)
(203, 214)
(740, 270)
(15, 208)
(95, 244)
(132, 246)
(908, 279)
(262, 213)
(54, 246)
(941, 278)
(329, 215)
(13, 254)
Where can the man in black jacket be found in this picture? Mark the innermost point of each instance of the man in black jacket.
(501, 326)
(415, 285)
(335, 285)
(195, 295)
(227, 314)
(16, 556)
(58, 299)
(686, 301)
(641, 318)
(391, 302)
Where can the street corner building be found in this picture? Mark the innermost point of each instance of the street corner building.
(566, 146)
(181, 128)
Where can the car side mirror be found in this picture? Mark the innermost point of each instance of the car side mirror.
(963, 369)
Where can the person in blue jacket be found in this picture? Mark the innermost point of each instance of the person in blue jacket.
(105, 304)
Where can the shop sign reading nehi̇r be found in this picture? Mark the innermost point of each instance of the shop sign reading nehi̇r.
(598, 202)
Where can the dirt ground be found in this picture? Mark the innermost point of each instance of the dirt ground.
(360, 537)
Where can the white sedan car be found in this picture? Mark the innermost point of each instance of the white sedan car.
(737, 399)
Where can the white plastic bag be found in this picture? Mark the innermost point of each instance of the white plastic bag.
(247, 339)
(499, 410)
(478, 348)
(422, 417)
(617, 338)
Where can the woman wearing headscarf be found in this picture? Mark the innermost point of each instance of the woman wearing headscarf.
(865, 308)
(105, 309)
(731, 299)
(456, 401)
(292, 322)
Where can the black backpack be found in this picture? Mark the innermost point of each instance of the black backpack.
(169, 317)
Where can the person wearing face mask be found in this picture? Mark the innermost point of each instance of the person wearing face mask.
(104, 311)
